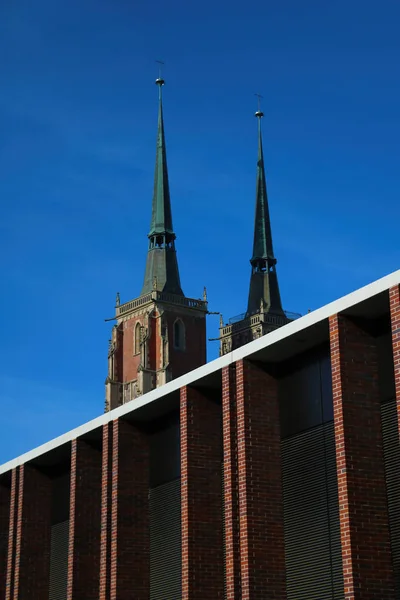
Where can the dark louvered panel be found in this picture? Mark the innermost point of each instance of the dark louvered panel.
(59, 561)
(165, 541)
(333, 509)
(308, 542)
(392, 461)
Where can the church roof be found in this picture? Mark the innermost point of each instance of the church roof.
(262, 245)
(162, 272)
(161, 215)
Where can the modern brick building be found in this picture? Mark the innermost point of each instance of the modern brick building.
(269, 473)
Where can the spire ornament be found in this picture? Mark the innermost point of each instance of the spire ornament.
(160, 81)
(259, 114)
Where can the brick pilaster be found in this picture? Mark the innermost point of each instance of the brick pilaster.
(105, 537)
(231, 492)
(394, 298)
(32, 535)
(12, 528)
(201, 496)
(262, 551)
(130, 537)
(84, 522)
(4, 528)
(363, 511)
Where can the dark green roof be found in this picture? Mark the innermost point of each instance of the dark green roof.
(162, 271)
(161, 217)
(262, 246)
(264, 288)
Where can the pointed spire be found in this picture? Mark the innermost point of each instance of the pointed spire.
(262, 246)
(162, 273)
(264, 289)
(161, 218)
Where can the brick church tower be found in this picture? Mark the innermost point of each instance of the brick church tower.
(264, 308)
(161, 334)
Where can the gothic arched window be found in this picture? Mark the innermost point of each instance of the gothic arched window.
(179, 335)
(137, 339)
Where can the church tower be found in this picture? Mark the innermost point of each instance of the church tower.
(264, 308)
(161, 334)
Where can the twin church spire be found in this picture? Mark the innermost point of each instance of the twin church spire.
(162, 271)
(161, 334)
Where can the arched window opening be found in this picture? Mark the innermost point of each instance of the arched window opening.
(179, 335)
(137, 338)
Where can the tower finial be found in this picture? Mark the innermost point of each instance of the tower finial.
(160, 81)
(259, 114)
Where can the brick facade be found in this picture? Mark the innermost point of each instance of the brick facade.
(129, 358)
(11, 534)
(132, 373)
(194, 353)
(84, 522)
(32, 535)
(394, 298)
(366, 551)
(201, 496)
(262, 554)
(231, 490)
(231, 505)
(130, 538)
(105, 523)
(4, 526)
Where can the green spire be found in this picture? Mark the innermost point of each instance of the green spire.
(162, 271)
(264, 289)
(161, 217)
(262, 246)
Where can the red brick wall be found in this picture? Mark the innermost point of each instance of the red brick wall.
(11, 534)
(394, 297)
(130, 360)
(231, 490)
(155, 342)
(130, 539)
(32, 535)
(105, 528)
(84, 522)
(118, 355)
(201, 496)
(4, 523)
(180, 362)
(363, 511)
(195, 354)
(262, 551)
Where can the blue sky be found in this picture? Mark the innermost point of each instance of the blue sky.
(78, 111)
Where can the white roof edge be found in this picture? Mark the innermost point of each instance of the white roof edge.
(304, 322)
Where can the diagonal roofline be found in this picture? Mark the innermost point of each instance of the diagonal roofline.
(342, 304)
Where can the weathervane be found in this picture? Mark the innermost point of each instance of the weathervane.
(259, 114)
(160, 81)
